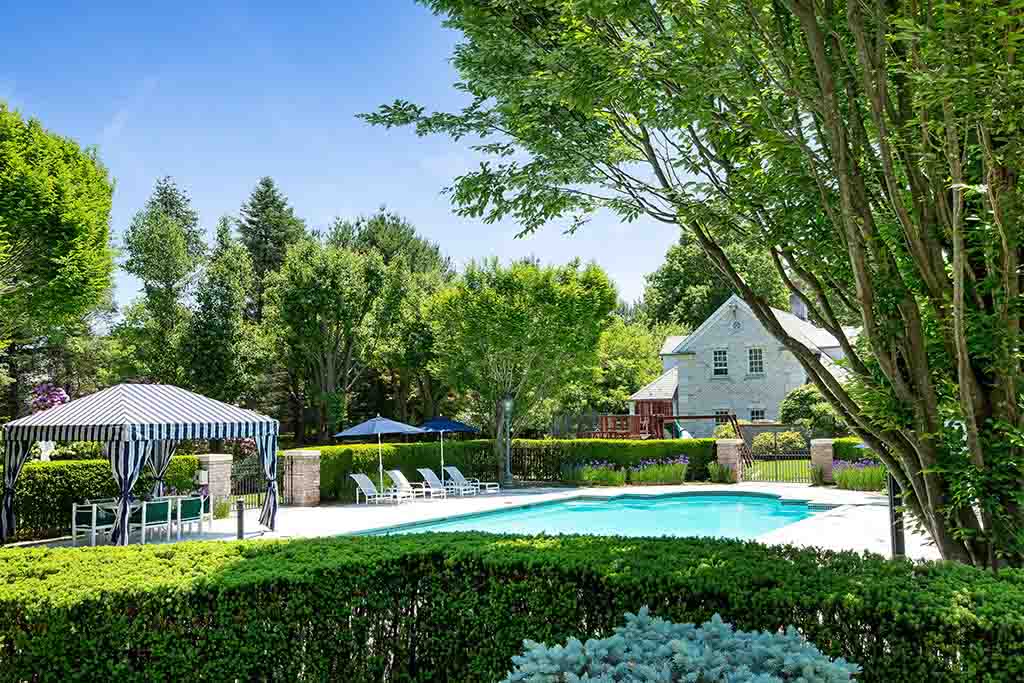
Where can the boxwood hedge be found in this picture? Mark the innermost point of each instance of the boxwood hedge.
(46, 490)
(848, 449)
(458, 606)
(537, 460)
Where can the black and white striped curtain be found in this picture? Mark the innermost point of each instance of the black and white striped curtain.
(266, 447)
(15, 456)
(127, 458)
(159, 459)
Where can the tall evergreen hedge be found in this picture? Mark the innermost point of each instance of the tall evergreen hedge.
(458, 606)
(45, 490)
(544, 458)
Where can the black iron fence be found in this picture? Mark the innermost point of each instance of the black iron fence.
(249, 483)
(780, 460)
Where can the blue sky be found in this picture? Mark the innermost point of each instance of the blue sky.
(217, 95)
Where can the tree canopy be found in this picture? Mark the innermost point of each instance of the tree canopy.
(869, 147)
(523, 332)
(687, 288)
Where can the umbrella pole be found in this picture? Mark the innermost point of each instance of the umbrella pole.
(442, 457)
(380, 465)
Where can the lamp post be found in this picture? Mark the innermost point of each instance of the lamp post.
(507, 405)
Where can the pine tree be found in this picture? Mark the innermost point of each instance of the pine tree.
(216, 344)
(267, 228)
(175, 203)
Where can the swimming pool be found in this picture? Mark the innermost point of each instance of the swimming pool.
(742, 516)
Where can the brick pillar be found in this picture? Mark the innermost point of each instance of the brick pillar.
(821, 456)
(302, 477)
(729, 454)
(218, 469)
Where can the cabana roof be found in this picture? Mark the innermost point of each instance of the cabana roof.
(141, 412)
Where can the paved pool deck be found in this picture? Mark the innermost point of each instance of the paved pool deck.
(858, 521)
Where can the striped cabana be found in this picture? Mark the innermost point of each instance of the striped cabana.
(138, 423)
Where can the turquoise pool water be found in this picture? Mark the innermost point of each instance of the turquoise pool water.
(728, 516)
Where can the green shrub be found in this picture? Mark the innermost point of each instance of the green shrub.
(778, 442)
(649, 649)
(74, 450)
(45, 491)
(721, 474)
(817, 475)
(221, 508)
(805, 406)
(543, 460)
(859, 476)
(726, 431)
(848, 449)
(458, 606)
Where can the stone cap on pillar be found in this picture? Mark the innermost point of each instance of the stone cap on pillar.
(823, 442)
(308, 454)
(729, 442)
(212, 458)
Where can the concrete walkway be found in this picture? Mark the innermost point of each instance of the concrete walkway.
(859, 521)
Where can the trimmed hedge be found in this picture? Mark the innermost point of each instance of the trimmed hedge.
(458, 606)
(533, 459)
(45, 491)
(845, 449)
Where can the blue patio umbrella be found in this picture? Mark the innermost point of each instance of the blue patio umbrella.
(379, 425)
(442, 425)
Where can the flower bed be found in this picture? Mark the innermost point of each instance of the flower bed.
(862, 475)
(671, 471)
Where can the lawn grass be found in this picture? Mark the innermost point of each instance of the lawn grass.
(778, 470)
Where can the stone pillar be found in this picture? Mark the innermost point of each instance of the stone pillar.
(218, 471)
(821, 456)
(730, 455)
(301, 477)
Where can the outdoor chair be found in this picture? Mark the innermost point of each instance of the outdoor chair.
(403, 488)
(152, 513)
(432, 486)
(189, 511)
(370, 493)
(480, 486)
(448, 487)
(89, 518)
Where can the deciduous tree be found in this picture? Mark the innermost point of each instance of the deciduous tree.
(871, 147)
(523, 332)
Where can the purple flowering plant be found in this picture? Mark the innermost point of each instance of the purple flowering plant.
(47, 395)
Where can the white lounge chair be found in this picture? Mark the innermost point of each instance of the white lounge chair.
(403, 488)
(370, 493)
(437, 488)
(480, 486)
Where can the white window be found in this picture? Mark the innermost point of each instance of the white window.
(755, 361)
(722, 416)
(756, 414)
(720, 363)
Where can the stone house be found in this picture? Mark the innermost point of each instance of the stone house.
(732, 365)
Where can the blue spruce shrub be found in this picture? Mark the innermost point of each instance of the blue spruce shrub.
(653, 650)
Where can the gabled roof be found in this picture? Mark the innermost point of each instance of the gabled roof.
(663, 388)
(806, 332)
(672, 342)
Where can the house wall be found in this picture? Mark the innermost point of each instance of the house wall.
(701, 393)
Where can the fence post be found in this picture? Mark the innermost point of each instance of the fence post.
(822, 454)
(218, 468)
(240, 511)
(730, 455)
(302, 477)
